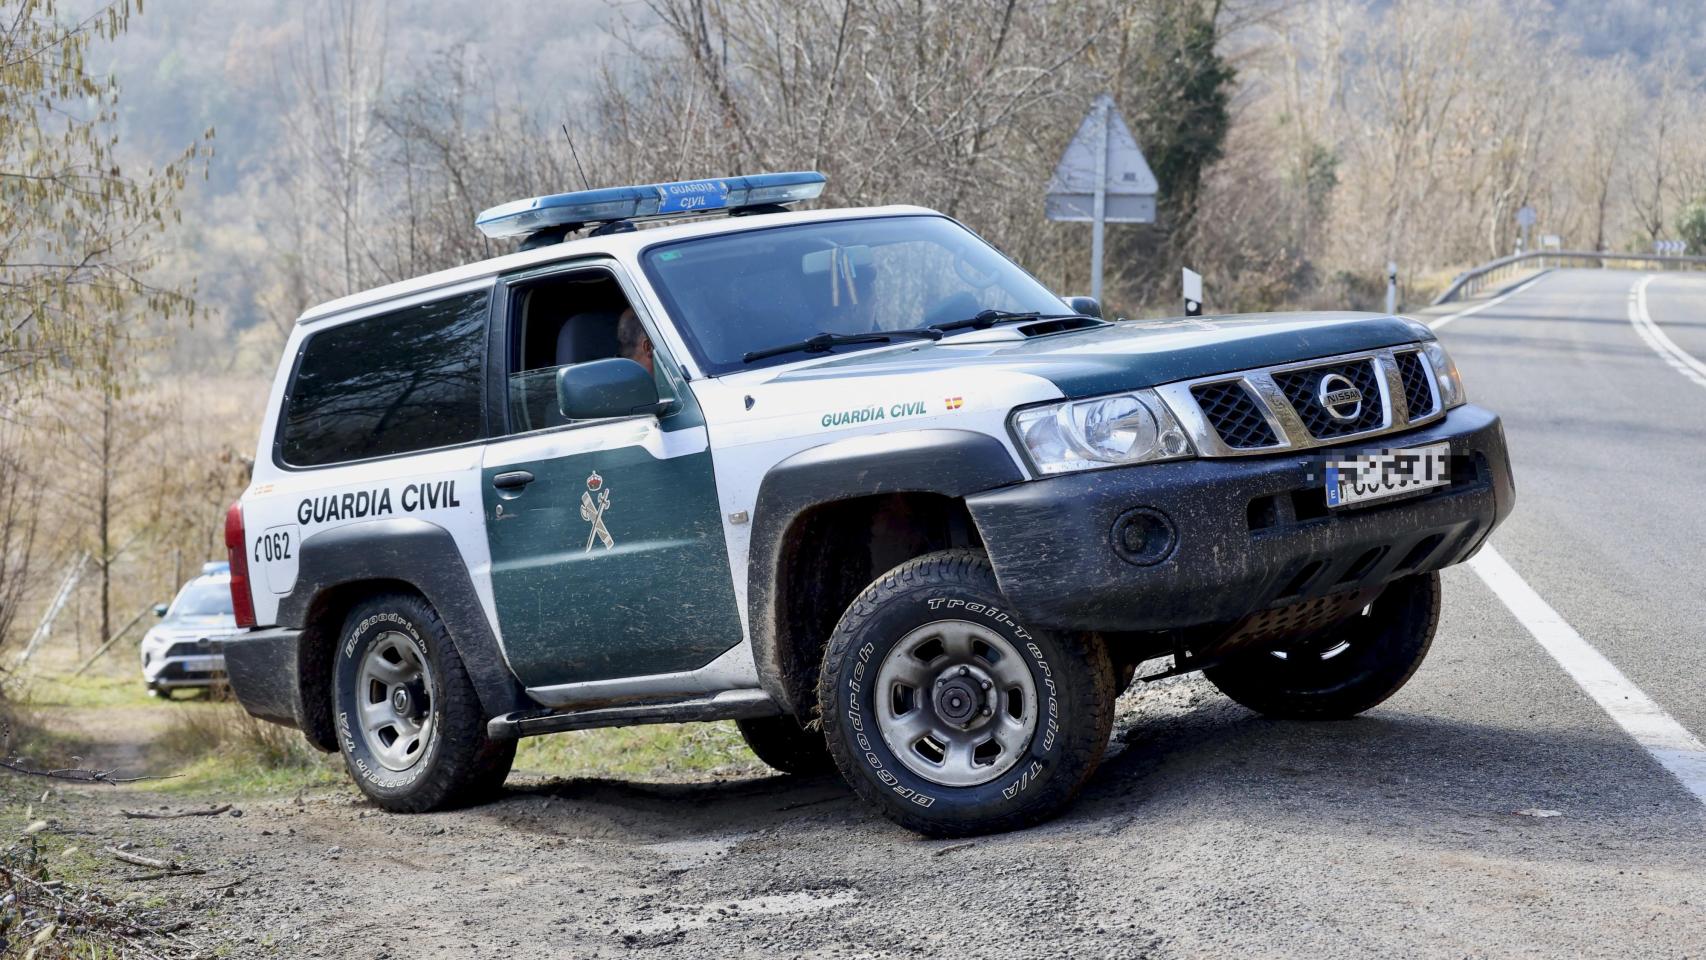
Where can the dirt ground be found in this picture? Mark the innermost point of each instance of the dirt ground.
(1207, 832)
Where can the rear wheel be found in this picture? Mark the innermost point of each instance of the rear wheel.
(951, 717)
(783, 743)
(409, 723)
(1345, 669)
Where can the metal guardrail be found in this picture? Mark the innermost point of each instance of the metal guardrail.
(1473, 281)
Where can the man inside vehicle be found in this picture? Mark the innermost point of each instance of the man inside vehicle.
(632, 341)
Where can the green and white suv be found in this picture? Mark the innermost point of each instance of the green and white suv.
(851, 478)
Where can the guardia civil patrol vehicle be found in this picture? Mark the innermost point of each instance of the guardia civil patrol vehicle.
(851, 478)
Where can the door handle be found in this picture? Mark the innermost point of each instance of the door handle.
(513, 480)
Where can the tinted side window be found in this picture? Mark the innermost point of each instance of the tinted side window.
(389, 384)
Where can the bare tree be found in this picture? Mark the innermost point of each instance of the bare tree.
(79, 230)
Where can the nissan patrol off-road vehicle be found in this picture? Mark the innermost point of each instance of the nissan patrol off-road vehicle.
(851, 478)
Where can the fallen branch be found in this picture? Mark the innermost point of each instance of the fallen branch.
(77, 774)
(145, 815)
(163, 874)
(141, 860)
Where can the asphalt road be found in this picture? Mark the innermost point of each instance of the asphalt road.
(1209, 832)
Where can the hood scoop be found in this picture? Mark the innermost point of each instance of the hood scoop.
(1030, 330)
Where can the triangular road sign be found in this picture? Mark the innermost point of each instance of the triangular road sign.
(1127, 181)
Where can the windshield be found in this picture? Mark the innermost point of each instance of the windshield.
(202, 598)
(736, 293)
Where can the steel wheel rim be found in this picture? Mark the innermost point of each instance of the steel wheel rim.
(1326, 645)
(394, 701)
(955, 703)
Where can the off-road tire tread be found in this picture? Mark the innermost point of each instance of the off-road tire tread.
(470, 767)
(785, 745)
(1087, 657)
(1241, 680)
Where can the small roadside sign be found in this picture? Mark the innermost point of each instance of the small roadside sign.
(1526, 217)
(1193, 293)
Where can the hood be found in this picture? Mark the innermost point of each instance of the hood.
(1132, 353)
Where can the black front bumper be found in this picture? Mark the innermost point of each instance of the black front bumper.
(1249, 533)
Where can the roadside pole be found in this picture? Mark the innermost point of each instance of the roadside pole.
(1193, 293)
(1391, 286)
(1525, 220)
(1099, 215)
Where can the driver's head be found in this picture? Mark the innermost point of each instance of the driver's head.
(631, 339)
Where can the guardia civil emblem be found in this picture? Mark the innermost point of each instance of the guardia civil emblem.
(594, 502)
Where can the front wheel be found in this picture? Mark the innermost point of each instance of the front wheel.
(949, 715)
(409, 723)
(1345, 669)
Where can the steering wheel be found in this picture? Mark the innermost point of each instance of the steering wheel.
(969, 273)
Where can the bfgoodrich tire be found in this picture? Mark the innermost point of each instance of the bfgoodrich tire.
(949, 715)
(408, 721)
(787, 746)
(1346, 669)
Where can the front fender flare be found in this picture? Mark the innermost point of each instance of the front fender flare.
(952, 463)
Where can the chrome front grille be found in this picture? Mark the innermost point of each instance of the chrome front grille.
(1302, 388)
(1286, 407)
(1236, 415)
(1418, 387)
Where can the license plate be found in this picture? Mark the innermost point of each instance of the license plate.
(200, 664)
(1379, 476)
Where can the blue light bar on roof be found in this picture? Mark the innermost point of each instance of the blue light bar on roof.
(683, 198)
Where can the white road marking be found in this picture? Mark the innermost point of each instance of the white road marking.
(1669, 742)
(1442, 321)
(1679, 359)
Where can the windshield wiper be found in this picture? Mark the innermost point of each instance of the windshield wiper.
(984, 319)
(824, 342)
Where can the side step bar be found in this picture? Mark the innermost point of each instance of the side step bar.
(727, 705)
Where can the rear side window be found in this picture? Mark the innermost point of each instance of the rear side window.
(389, 384)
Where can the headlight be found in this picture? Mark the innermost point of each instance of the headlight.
(1084, 434)
(1451, 392)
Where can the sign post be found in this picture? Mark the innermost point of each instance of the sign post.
(1525, 218)
(1102, 178)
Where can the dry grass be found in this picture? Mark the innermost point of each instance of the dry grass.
(218, 747)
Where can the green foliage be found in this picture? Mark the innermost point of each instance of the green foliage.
(78, 232)
(1179, 89)
(1691, 227)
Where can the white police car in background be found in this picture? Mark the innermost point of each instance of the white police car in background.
(182, 650)
(851, 478)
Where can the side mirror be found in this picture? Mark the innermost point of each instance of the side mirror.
(159, 609)
(1086, 306)
(615, 387)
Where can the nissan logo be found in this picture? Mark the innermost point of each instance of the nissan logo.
(1339, 397)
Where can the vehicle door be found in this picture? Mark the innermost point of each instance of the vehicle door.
(608, 558)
